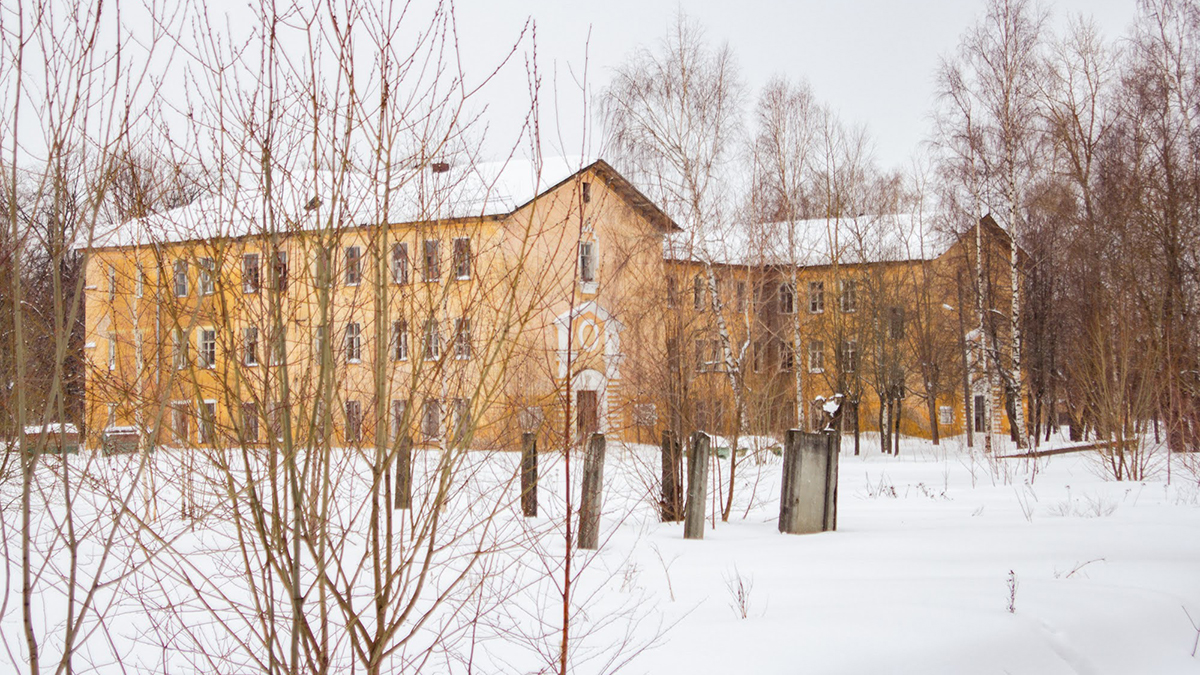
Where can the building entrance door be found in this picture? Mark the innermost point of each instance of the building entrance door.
(587, 411)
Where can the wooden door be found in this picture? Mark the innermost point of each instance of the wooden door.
(587, 411)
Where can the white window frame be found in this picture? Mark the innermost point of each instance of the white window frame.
(207, 427)
(431, 265)
(945, 415)
(462, 339)
(112, 282)
(353, 342)
(180, 278)
(400, 263)
(112, 351)
(816, 297)
(848, 295)
(353, 259)
(399, 340)
(207, 347)
(206, 283)
(138, 357)
(588, 260)
(251, 273)
(787, 298)
(816, 356)
(250, 346)
(139, 282)
(462, 258)
(432, 347)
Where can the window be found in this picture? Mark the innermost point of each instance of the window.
(275, 421)
(353, 343)
(250, 345)
(816, 297)
(250, 273)
(432, 339)
(701, 360)
(250, 422)
(400, 340)
(431, 419)
(462, 420)
(353, 265)
(400, 263)
(816, 356)
(462, 339)
(672, 293)
(586, 192)
(112, 415)
(353, 421)
(980, 415)
(896, 323)
(741, 296)
(208, 348)
(112, 283)
(180, 344)
(848, 297)
(181, 279)
(462, 258)
(787, 355)
(139, 281)
(787, 299)
(138, 357)
(281, 271)
(587, 261)
(206, 276)
(698, 293)
(208, 421)
(945, 415)
(399, 411)
(112, 351)
(849, 356)
(757, 357)
(432, 260)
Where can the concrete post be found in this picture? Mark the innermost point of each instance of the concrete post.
(808, 494)
(593, 485)
(529, 474)
(697, 489)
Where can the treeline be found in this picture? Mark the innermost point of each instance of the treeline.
(1083, 148)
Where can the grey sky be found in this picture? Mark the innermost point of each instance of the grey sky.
(872, 60)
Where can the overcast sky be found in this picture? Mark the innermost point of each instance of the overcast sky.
(872, 60)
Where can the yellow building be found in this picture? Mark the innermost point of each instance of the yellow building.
(463, 313)
(878, 310)
(467, 304)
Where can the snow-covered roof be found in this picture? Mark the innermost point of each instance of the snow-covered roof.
(820, 241)
(309, 199)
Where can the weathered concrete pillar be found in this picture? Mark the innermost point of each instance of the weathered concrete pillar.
(404, 474)
(593, 486)
(529, 474)
(697, 488)
(672, 479)
(808, 495)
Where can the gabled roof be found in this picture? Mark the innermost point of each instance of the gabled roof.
(309, 200)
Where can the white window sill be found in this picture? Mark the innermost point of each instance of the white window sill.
(816, 371)
(589, 286)
(462, 278)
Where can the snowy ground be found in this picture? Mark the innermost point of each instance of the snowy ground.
(916, 579)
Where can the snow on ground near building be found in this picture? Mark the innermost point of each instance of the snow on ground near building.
(916, 579)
